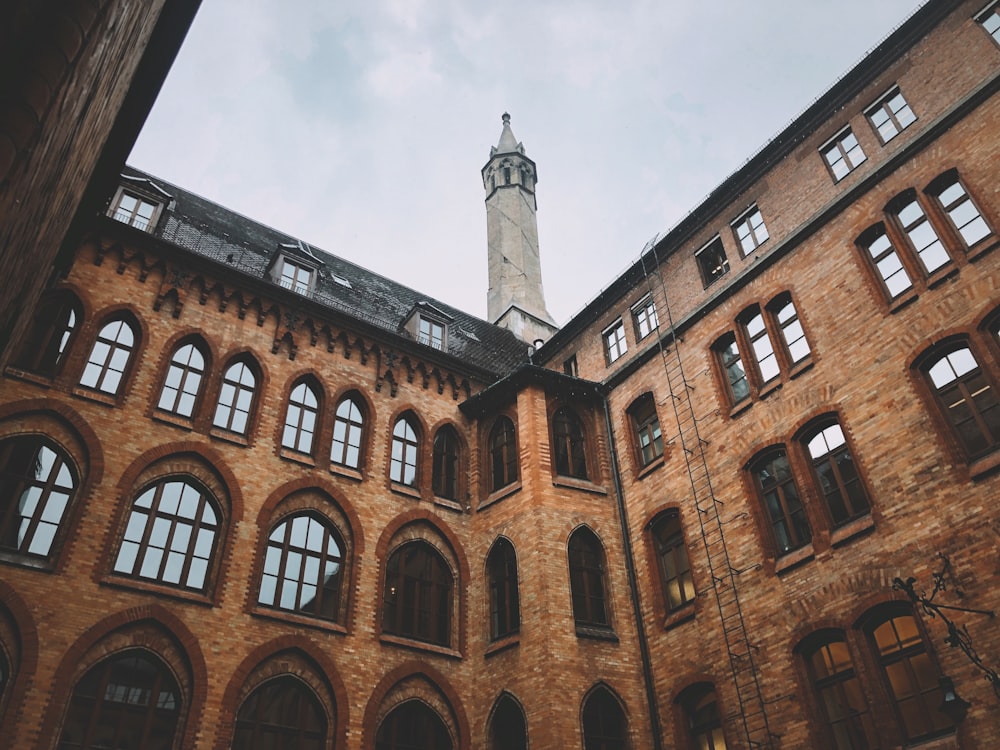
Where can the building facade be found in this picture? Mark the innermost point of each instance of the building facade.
(254, 495)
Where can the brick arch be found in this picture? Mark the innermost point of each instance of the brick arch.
(72, 420)
(433, 681)
(605, 686)
(394, 527)
(151, 627)
(321, 486)
(504, 695)
(27, 653)
(262, 664)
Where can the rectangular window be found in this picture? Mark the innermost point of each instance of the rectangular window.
(431, 333)
(732, 365)
(712, 261)
(890, 268)
(890, 115)
(614, 342)
(570, 367)
(134, 211)
(295, 277)
(763, 350)
(964, 215)
(750, 230)
(923, 237)
(842, 154)
(989, 19)
(644, 316)
(796, 346)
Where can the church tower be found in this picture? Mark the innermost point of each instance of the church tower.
(515, 299)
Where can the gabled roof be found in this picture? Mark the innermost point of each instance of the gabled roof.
(248, 247)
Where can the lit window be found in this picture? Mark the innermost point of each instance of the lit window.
(922, 236)
(990, 21)
(586, 577)
(760, 345)
(792, 334)
(646, 424)
(300, 419)
(750, 230)
(503, 453)
(842, 154)
(675, 567)
(109, 359)
(183, 381)
(836, 474)
(417, 597)
(348, 430)
(235, 399)
(962, 212)
(712, 261)
(431, 333)
(135, 211)
(890, 115)
(605, 726)
(170, 536)
(728, 353)
(44, 348)
(444, 473)
(701, 717)
(303, 568)
(403, 463)
(614, 342)
(284, 713)
(644, 317)
(36, 488)
(501, 569)
(786, 516)
(891, 271)
(567, 431)
(295, 277)
(838, 692)
(967, 398)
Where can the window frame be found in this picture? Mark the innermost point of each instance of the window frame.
(615, 343)
(446, 462)
(603, 721)
(836, 143)
(946, 182)
(355, 407)
(503, 590)
(836, 481)
(701, 717)
(711, 273)
(116, 213)
(54, 327)
(764, 462)
(990, 14)
(588, 577)
(187, 373)
(418, 722)
(644, 318)
(882, 105)
(237, 387)
(644, 420)
(112, 347)
(569, 444)
(433, 325)
(301, 278)
(297, 421)
(756, 232)
(673, 561)
(406, 434)
(909, 231)
(246, 731)
(503, 453)
(783, 346)
(401, 617)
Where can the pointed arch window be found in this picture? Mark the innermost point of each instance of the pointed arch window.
(672, 555)
(503, 453)
(348, 430)
(786, 516)
(129, 700)
(587, 579)
(836, 474)
(44, 348)
(413, 725)
(444, 472)
(236, 398)
(508, 728)
(170, 536)
(505, 605)
(702, 720)
(304, 567)
(403, 462)
(418, 594)
(37, 486)
(605, 726)
(569, 448)
(283, 712)
(183, 382)
(110, 358)
(967, 398)
(300, 419)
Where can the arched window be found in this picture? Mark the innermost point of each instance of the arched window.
(183, 381)
(671, 553)
(37, 485)
(110, 357)
(44, 348)
(701, 717)
(836, 474)
(772, 476)
(413, 725)
(604, 724)
(505, 606)
(508, 730)
(848, 723)
(300, 419)
(170, 536)
(348, 427)
(569, 447)
(129, 701)
(303, 567)
(586, 578)
(444, 473)
(403, 463)
(503, 453)
(646, 426)
(967, 398)
(236, 398)
(281, 713)
(417, 596)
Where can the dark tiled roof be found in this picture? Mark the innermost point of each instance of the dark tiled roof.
(232, 240)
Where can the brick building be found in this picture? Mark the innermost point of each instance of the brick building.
(299, 504)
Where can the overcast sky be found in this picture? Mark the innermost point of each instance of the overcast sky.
(361, 126)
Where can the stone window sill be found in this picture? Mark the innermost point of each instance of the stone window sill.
(851, 529)
(579, 484)
(162, 589)
(430, 648)
(166, 417)
(596, 632)
(405, 489)
(679, 616)
(297, 457)
(502, 644)
(986, 465)
(652, 466)
(347, 472)
(229, 437)
(96, 396)
(794, 558)
(501, 493)
(982, 247)
(284, 616)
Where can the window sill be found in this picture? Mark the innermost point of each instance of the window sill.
(405, 489)
(679, 616)
(172, 419)
(596, 632)
(898, 303)
(347, 472)
(281, 615)
(450, 504)
(794, 559)
(502, 644)
(769, 388)
(44, 381)
(160, 589)
(430, 648)
(96, 396)
(982, 247)
(797, 369)
(652, 466)
(579, 484)
(941, 275)
(297, 457)
(229, 437)
(741, 407)
(42, 564)
(501, 493)
(851, 529)
(986, 465)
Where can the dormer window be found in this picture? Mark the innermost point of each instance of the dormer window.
(431, 333)
(295, 277)
(294, 266)
(138, 202)
(428, 325)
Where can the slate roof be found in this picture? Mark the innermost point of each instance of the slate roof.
(230, 239)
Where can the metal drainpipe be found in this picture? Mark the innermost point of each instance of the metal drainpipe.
(647, 667)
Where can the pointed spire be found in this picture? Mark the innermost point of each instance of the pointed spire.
(508, 143)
